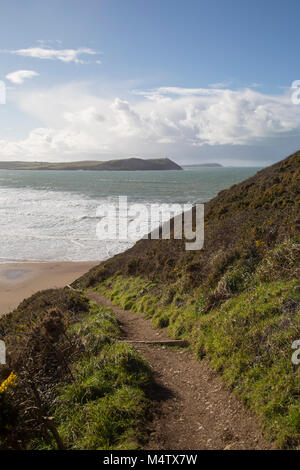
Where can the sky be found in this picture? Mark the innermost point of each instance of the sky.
(192, 80)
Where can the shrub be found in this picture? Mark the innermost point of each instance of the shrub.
(283, 262)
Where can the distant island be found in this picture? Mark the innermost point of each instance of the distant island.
(129, 164)
(199, 165)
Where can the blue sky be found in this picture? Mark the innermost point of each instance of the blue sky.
(192, 80)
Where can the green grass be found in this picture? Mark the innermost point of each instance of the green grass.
(97, 329)
(249, 341)
(110, 422)
(104, 407)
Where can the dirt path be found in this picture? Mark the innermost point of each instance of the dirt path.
(193, 408)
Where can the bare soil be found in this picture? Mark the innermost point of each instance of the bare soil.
(192, 407)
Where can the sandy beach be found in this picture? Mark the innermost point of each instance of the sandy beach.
(20, 280)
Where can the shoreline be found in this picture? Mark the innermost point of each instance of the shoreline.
(20, 280)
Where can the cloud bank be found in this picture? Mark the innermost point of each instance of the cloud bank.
(76, 123)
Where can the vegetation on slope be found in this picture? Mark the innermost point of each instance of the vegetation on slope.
(68, 383)
(238, 299)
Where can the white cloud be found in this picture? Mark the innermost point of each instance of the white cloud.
(64, 55)
(87, 116)
(75, 123)
(19, 76)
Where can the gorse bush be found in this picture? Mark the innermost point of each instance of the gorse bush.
(281, 263)
(8, 410)
(11, 381)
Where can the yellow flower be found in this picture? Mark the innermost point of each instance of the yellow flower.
(11, 381)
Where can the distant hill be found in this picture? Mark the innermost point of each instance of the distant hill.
(129, 164)
(199, 165)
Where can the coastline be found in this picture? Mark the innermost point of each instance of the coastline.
(21, 280)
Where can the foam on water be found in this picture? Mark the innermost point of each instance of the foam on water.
(50, 225)
(52, 215)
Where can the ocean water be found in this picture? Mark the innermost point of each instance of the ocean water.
(52, 215)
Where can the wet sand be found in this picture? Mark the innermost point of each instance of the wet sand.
(20, 280)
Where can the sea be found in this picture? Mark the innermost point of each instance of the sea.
(53, 215)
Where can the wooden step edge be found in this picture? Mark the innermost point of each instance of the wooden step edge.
(175, 342)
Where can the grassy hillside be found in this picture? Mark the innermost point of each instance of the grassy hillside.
(128, 164)
(68, 383)
(238, 300)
